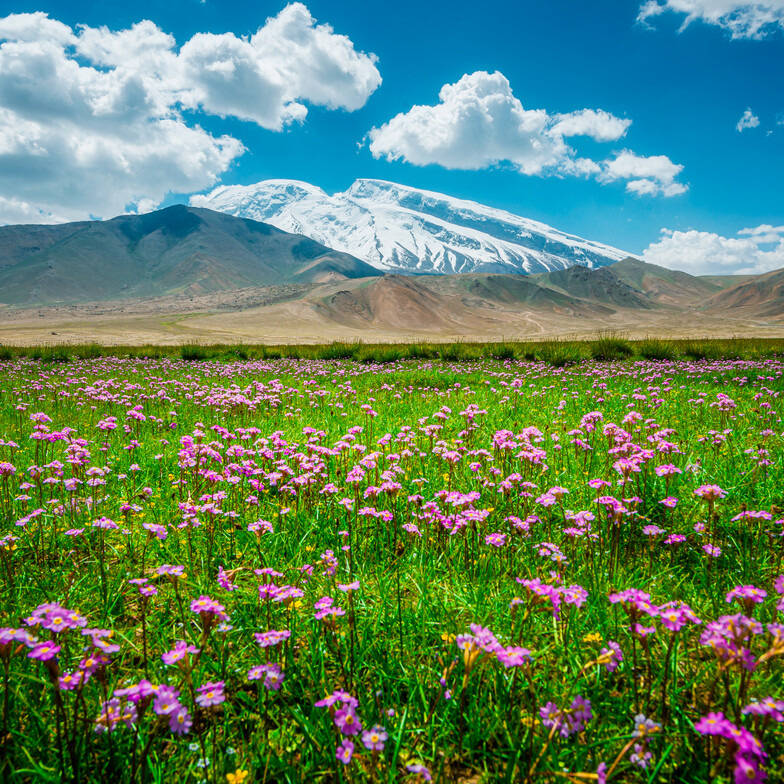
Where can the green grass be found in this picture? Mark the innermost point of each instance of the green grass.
(652, 347)
(610, 346)
(559, 352)
(208, 441)
(415, 592)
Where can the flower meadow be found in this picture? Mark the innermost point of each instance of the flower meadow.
(321, 570)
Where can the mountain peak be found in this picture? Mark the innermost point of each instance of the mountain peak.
(404, 229)
(177, 250)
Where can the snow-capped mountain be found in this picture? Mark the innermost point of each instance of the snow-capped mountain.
(402, 229)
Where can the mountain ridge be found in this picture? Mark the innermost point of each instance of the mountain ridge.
(177, 249)
(188, 260)
(404, 229)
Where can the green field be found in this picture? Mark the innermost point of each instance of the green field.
(466, 563)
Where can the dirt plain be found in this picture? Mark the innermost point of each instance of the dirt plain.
(389, 309)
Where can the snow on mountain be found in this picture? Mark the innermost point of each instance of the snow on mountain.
(402, 229)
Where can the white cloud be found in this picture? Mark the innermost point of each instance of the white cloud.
(598, 124)
(748, 120)
(645, 176)
(92, 123)
(741, 18)
(35, 27)
(479, 123)
(16, 211)
(753, 251)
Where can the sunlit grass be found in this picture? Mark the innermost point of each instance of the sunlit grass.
(372, 507)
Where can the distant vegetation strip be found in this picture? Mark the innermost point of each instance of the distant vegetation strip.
(607, 346)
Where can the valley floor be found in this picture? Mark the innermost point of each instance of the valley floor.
(396, 311)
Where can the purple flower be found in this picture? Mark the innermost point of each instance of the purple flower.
(170, 571)
(210, 694)
(347, 721)
(580, 712)
(373, 739)
(72, 680)
(644, 726)
(746, 742)
(484, 638)
(345, 751)
(710, 493)
(419, 770)
(574, 594)
(274, 676)
(674, 616)
(44, 651)
(225, 581)
(114, 712)
(139, 692)
(179, 653)
(550, 715)
(713, 724)
(513, 656)
(349, 587)
(206, 606)
(271, 638)
(667, 470)
(638, 630)
(338, 696)
(180, 721)
(747, 770)
(768, 706)
(166, 701)
(611, 656)
(93, 662)
(640, 757)
(748, 596)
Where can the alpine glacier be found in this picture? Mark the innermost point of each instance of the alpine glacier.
(402, 229)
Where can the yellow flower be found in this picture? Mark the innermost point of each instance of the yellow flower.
(446, 637)
(592, 637)
(237, 777)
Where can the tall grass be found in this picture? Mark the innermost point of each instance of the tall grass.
(558, 352)
(652, 347)
(610, 346)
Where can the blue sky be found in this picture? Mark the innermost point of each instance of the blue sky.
(683, 87)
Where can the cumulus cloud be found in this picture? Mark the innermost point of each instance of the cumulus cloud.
(741, 18)
(598, 124)
(644, 176)
(752, 251)
(93, 122)
(748, 120)
(479, 123)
